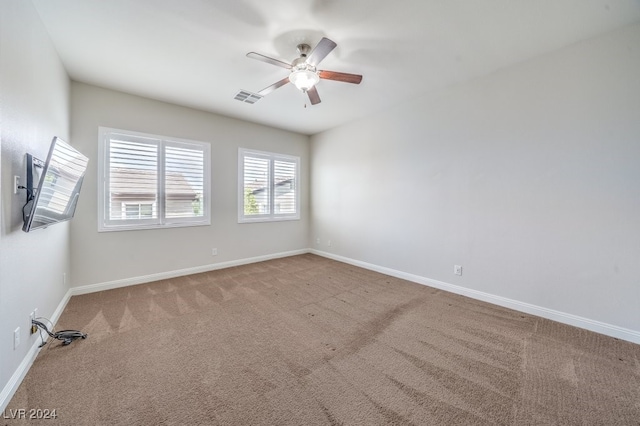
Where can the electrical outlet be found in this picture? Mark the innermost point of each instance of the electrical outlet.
(16, 184)
(214, 252)
(33, 317)
(16, 338)
(329, 243)
(457, 269)
(64, 278)
(318, 240)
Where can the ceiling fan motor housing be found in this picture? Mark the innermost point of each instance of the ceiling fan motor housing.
(301, 64)
(304, 49)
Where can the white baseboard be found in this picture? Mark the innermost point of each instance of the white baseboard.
(14, 382)
(91, 288)
(565, 318)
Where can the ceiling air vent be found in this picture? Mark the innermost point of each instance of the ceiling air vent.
(248, 97)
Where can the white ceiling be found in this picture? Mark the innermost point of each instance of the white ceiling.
(192, 52)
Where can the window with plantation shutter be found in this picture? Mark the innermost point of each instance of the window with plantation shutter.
(268, 187)
(150, 181)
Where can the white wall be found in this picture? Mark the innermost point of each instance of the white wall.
(34, 102)
(529, 178)
(101, 258)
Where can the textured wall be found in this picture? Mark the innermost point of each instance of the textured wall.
(107, 256)
(34, 100)
(527, 177)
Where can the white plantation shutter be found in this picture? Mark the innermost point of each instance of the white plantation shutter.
(149, 181)
(184, 181)
(284, 179)
(268, 186)
(133, 176)
(256, 188)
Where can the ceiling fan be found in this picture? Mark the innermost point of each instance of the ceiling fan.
(303, 72)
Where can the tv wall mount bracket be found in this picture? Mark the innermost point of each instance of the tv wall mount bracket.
(32, 164)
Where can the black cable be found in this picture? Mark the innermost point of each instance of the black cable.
(40, 330)
(24, 215)
(29, 198)
(29, 192)
(67, 336)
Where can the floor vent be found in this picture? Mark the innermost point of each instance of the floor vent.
(248, 97)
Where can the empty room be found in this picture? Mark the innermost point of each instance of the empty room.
(320, 212)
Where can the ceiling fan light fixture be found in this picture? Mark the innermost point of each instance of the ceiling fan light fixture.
(303, 72)
(304, 79)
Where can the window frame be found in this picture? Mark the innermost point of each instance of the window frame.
(272, 216)
(105, 224)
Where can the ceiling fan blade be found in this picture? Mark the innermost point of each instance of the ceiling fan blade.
(274, 86)
(324, 47)
(314, 97)
(340, 76)
(258, 56)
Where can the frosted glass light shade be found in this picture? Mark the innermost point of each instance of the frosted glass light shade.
(304, 79)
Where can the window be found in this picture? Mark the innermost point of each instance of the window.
(149, 181)
(138, 211)
(267, 186)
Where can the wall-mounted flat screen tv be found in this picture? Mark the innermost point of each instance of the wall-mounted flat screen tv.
(55, 198)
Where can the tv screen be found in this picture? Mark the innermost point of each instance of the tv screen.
(58, 189)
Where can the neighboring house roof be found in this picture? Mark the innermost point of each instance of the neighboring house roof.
(143, 183)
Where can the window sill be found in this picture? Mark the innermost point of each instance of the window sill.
(268, 219)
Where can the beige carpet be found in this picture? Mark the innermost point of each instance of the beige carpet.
(309, 341)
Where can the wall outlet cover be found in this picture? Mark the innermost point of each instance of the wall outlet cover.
(16, 338)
